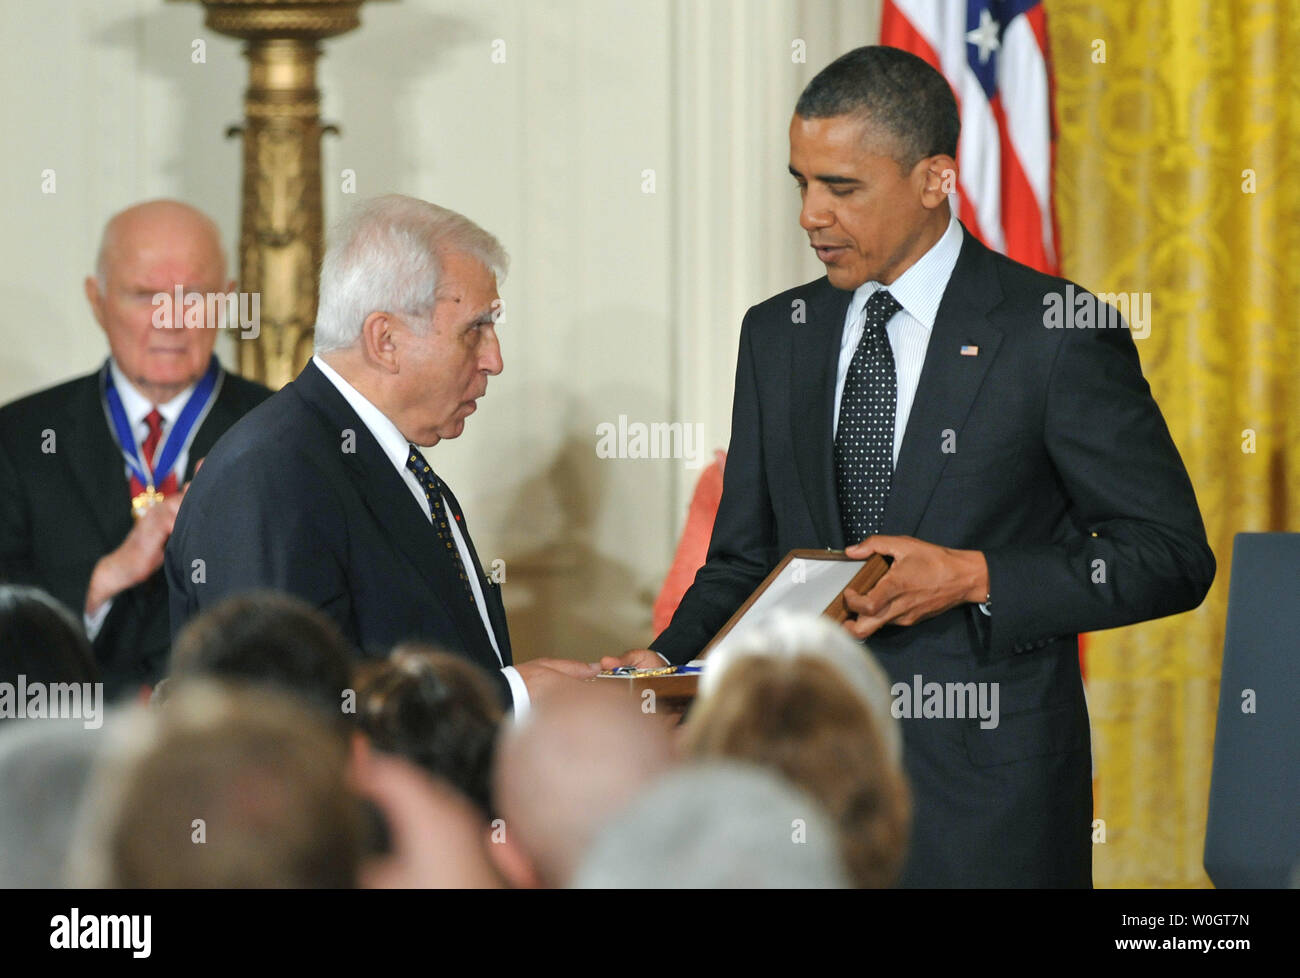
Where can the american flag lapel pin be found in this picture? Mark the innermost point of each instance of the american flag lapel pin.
(970, 351)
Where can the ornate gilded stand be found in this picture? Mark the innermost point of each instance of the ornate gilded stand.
(281, 240)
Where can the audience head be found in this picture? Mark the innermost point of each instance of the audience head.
(44, 768)
(435, 836)
(564, 772)
(221, 787)
(266, 638)
(41, 640)
(437, 711)
(789, 635)
(798, 695)
(408, 311)
(716, 826)
(146, 252)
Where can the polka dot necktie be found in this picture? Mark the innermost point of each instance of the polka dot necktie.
(432, 487)
(864, 439)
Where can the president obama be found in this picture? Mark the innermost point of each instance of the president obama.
(1021, 477)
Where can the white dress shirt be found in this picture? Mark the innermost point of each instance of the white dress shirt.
(137, 408)
(919, 291)
(396, 447)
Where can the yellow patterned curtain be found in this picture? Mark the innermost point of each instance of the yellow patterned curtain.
(1176, 176)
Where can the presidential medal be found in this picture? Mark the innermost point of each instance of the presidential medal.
(153, 472)
(145, 501)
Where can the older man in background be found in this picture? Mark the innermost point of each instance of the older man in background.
(92, 471)
(326, 491)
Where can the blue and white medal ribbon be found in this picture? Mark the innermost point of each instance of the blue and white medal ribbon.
(178, 438)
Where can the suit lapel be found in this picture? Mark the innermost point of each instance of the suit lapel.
(394, 507)
(814, 357)
(96, 463)
(948, 384)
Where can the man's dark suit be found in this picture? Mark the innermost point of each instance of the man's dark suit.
(62, 510)
(1062, 461)
(283, 503)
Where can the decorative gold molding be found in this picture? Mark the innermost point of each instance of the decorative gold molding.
(281, 236)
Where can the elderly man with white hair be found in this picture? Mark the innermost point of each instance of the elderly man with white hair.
(326, 491)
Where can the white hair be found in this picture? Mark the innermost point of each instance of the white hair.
(45, 766)
(386, 257)
(717, 824)
(126, 742)
(101, 258)
(787, 635)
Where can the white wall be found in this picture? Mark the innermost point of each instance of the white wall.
(619, 302)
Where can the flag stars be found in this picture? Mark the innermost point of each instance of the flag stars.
(985, 37)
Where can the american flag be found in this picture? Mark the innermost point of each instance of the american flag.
(994, 54)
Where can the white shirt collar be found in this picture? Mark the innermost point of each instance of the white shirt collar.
(392, 441)
(137, 406)
(920, 288)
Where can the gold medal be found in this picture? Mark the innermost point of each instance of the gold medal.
(143, 502)
(631, 672)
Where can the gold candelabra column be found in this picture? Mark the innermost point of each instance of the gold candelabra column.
(280, 234)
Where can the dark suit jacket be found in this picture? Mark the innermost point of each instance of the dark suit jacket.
(62, 510)
(1062, 460)
(280, 503)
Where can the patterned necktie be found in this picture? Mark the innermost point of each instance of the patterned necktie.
(433, 487)
(864, 440)
(149, 449)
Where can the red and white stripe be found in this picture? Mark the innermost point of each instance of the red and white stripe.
(1006, 153)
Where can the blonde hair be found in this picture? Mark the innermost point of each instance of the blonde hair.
(793, 711)
(787, 635)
